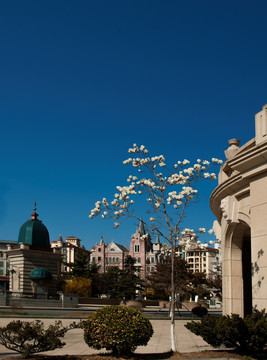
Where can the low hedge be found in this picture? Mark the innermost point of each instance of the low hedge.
(247, 336)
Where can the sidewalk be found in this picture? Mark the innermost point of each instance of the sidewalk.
(159, 343)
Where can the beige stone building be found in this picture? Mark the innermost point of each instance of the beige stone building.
(203, 260)
(69, 249)
(34, 266)
(240, 205)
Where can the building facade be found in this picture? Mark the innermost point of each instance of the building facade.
(4, 264)
(147, 254)
(240, 204)
(68, 250)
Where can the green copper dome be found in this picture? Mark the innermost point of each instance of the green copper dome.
(40, 274)
(34, 232)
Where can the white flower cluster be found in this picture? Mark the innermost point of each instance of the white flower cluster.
(211, 176)
(104, 202)
(177, 179)
(216, 161)
(96, 210)
(124, 192)
(135, 149)
(147, 182)
(202, 230)
(190, 232)
(160, 159)
(132, 178)
(137, 162)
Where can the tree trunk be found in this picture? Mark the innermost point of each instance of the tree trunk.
(172, 305)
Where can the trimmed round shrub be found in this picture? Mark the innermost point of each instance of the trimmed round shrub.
(117, 328)
(199, 311)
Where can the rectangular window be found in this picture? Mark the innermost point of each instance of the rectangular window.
(7, 268)
(152, 260)
(1, 268)
(136, 248)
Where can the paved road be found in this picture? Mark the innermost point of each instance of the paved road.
(84, 311)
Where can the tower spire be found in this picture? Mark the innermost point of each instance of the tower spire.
(141, 228)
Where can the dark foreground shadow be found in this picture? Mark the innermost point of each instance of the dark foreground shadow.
(207, 355)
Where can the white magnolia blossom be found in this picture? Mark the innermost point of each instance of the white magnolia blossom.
(197, 167)
(211, 231)
(152, 219)
(116, 224)
(217, 161)
(202, 230)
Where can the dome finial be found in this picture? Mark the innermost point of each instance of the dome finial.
(34, 214)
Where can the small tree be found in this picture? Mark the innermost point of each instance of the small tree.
(130, 280)
(121, 283)
(106, 281)
(81, 267)
(28, 338)
(185, 282)
(78, 285)
(117, 328)
(161, 278)
(167, 195)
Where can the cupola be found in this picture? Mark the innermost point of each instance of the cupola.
(34, 232)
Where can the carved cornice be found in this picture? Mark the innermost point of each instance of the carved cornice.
(248, 163)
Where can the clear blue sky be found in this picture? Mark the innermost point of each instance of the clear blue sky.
(80, 81)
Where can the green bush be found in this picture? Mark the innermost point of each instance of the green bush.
(246, 335)
(199, 311)
(117, 328)
(207, 329)
(28, 338)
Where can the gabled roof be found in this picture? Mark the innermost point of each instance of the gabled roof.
(119, 247)
(123, 248)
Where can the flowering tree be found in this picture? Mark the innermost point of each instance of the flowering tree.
(166, 193)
